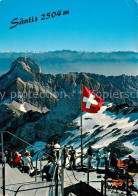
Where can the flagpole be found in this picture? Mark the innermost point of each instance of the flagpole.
(81, 126)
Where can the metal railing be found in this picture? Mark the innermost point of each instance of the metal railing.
(55, 175)
(44, 154)
(28, 189)
(3, 158)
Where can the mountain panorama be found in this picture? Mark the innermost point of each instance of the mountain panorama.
(46, 107)
(105, 63)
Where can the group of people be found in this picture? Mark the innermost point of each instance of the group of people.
(91, 153)
(22, 161)
(110, 160)
(53, 150)
(130, 162)
(55, 153)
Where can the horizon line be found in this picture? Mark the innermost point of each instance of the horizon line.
(69, 50)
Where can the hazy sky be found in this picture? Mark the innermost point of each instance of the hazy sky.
(92, 25)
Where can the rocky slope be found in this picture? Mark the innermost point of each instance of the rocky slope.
(115, 127)
(22, 85)
(37, 106)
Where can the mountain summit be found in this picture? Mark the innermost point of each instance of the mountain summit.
(23, 89)
(27, 63)
(25, 69)
(37, 106)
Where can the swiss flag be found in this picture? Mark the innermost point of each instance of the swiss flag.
(91, 102)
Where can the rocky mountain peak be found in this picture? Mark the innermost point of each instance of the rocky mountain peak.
(26, 63)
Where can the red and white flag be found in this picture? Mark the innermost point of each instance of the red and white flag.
(91, 102)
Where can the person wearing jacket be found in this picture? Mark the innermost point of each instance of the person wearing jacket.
(27, 163)
(57, 148)
(65, 155)
(72, 154)
(90, 155)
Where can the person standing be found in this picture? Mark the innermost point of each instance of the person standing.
(114, 161)
(72, 154)
(27, 163)
(17, 159)
(97, 159)
(107, 158)
(11, 159)
(48, 149)
(24, 151)
(65, 155)
(57, 148)
(54, 161)
(90, 155)
(132, 163)
(51, 148)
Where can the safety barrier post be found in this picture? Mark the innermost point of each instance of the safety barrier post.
(3, 164)
(56, 181)
(62, 171)
(102, 187)
(88, 171)
(36, 172)
(127, 187)
(80, 187)
(105, 186)
(40, 166)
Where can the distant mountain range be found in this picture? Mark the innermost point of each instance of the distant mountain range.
(106, 63)
(42, 107)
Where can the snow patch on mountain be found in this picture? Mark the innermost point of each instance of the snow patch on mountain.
(25, 107)
(22, 108)
(103, 128)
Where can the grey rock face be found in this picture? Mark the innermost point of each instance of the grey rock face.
(23, 84)
(27, 63)
(54, 98)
